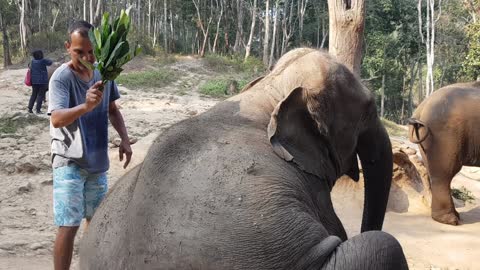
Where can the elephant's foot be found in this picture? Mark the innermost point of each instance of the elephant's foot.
(451, 217)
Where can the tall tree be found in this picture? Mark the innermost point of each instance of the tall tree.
(430, 40)
(274, 34)
(267, 32)
(347, 23)
(302, 7)
(252, 30)
(201, 25)
(6, 14)
(239, 31)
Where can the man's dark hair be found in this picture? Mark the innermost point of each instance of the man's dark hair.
(80, 27)
(37, 54)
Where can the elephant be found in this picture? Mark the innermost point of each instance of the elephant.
(446, 127)
(246, 184)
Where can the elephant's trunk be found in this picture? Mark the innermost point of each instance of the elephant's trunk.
(375, 152)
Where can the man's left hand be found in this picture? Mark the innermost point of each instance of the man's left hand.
(125, 148)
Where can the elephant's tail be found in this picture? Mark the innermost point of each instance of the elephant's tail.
(414, 131)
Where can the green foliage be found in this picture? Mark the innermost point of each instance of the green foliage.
(235, 63)
(471, 65)
(463, 194)
(214, 88)
(219, 87)
(233, 70)
(148, 79)
(110, 45)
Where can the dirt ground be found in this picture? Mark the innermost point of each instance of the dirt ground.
(26, 223)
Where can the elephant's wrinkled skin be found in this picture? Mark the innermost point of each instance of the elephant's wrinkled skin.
(447, 127)
(211, 193)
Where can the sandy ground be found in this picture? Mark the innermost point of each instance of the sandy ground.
(27, 232)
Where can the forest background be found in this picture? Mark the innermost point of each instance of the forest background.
(409, 47)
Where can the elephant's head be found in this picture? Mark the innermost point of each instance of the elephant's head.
(323, 124)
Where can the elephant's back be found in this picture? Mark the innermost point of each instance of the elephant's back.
(453, 104)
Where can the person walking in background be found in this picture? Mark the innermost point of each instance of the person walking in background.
(39, 78)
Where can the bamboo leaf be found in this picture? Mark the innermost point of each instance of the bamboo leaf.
(87, 64)
(98, 37)
(105, 24)
(105, 50)
(114, 53)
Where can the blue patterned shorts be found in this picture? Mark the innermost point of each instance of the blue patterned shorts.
(76, 194)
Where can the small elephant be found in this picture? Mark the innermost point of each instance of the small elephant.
(446, 126)
(246, 185)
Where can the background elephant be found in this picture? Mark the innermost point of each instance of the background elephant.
(447, 127)
(211, 193)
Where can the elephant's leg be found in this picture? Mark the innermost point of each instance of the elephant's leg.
(442, 167)
(443, 209)
(370, 250)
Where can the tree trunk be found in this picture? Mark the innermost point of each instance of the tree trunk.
(239, 32)
(165, 29)
(149, 16)
(52, 28)
(420, 84)
(7, 60)
(39, 15)
(98, 13)
(275, 22)
(23, 25)
(382, 100)
(172, 33)
(413, 75)
(218, 26)
(91, 11)
(267, 33)
(287, 25)
(85, 10)
(154, 39)
(202, 27)
(252, 29)
(347, 23)
(302, 7)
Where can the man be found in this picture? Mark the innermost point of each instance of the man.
(79, 112)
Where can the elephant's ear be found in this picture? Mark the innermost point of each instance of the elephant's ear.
(251, 84)
(296, 136)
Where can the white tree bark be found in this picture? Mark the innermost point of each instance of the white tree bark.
(84, 10)
(165, 29)
(220, 5)
(57, 11)
(267, 33)
(288, 25)
(205, 31)
(98, 13)
(91, 11)
(302, 7)
(430, 42)
(252, 30)
(23, 26)
(149, 16)
(274, 35)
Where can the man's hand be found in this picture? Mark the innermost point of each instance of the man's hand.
(94, 96)
(125, 148)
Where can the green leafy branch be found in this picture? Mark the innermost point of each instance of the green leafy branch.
(110, 46)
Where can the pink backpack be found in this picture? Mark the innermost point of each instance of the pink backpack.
(28, 78)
